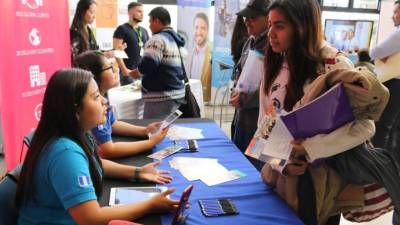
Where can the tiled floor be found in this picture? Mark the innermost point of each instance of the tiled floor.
(225, 120)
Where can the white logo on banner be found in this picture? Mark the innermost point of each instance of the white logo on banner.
(38, 111)
(32, 4)
(36, 77)
(34, 37)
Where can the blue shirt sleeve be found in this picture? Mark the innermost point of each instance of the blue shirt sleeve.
(102, 133)
(69, 174)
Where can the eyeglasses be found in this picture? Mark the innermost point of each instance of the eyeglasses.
(110, 67)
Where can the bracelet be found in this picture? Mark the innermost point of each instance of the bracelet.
(136, 174)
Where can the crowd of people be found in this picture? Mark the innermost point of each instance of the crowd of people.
(69, 155)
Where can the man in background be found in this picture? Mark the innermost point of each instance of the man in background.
(161, 68)
(133, 37)
(387, 128)
(246, 104)
(199, 63)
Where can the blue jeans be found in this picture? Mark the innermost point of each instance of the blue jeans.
(159, 110)
(124, 80)
(386, 135)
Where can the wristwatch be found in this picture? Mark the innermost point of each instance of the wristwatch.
(136, 174)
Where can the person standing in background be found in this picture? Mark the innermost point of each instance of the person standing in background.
(81, 36)
(134, 37)
(247, 103)
(365, 60)
(239, 37)
(163, 90)
(388, 125)
(200, 58)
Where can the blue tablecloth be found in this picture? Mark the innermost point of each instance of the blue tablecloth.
(256, 202)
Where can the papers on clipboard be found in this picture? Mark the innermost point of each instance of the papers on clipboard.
(252, 72)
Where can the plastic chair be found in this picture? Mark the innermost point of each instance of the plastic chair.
(8, 189)
(26, 143)
(223, 83)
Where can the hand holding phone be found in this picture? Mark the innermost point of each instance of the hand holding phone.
(168, 121)
(179, 216)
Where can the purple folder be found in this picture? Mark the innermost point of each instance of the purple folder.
(324, 114)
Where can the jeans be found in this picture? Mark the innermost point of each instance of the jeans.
(386, 128)
(124, 80)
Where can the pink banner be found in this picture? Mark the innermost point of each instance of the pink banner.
(35, 43)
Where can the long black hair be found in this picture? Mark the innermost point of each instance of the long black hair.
(92, 61)
(78, 22)
(303, 57)
(62, 99)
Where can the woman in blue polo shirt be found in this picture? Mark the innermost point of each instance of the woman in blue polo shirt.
(61, 177)
(106, 76)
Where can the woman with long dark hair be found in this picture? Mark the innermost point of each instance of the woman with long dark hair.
(296, 55)
(106, 76)
(61, 176)
(81, 35)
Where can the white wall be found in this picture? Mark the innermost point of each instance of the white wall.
(385, 20)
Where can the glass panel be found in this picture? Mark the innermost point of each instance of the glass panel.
(336, 3)
(366, 4)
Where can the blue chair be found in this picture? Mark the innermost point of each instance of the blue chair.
(8, 188)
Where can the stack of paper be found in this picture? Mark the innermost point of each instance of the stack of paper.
(184, 133)
(205, 169)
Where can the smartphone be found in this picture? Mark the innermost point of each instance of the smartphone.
(170, 119)
(167, 121)
(187, 145)
(180, 216)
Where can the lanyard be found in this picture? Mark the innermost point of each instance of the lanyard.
(139, 34)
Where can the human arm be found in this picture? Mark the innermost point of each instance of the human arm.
(342, 139)
(153, 54)
(146, 173)
(118, 43)
(91, 213)
(112, 149)
(388, 47)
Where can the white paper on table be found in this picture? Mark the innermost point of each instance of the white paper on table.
(210, 173)
(252, 72)
(220, 177)
(181, 162)
(184, 133)
(193, 172)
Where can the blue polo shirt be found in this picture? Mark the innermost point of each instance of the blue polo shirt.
(61, 181)
(102, 133)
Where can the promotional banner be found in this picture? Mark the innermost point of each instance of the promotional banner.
(35, 43)
(194, 26)
(225, 17)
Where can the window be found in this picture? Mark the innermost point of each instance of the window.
(366, 4)
(361, 6)
(336, 3)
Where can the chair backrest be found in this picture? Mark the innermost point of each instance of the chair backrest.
(8, 188)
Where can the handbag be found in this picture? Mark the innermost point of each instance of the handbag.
(190, 108)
